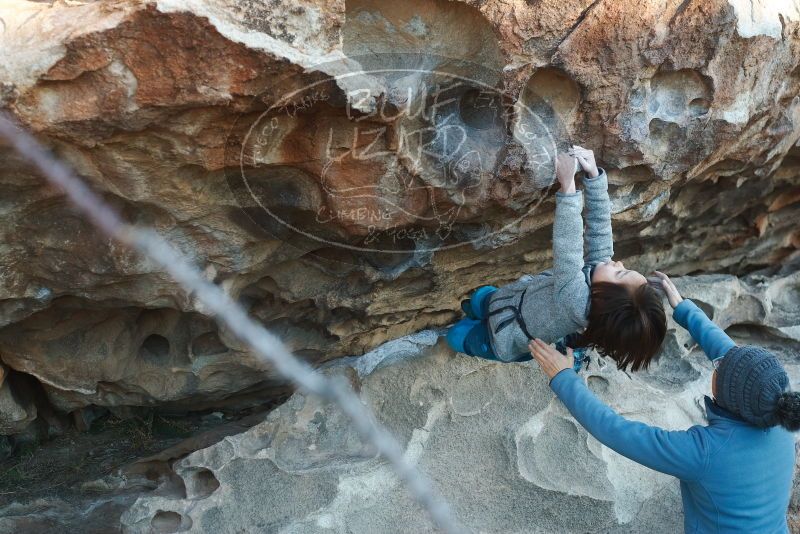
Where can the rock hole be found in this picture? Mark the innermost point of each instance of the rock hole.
(154, 347)
(174, 485)
(707, 308)
(665, 136)
(699, 106)
(632, 174)
(556, 89)
(670, 374)
(200, 483)
(279, 196)
(284, 186)
(480, 109)
(549, 103)
(598, 384)
(677, 96)
(167, 522)
(208, 344)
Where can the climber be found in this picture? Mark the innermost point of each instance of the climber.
(581, 302)
(736, 472)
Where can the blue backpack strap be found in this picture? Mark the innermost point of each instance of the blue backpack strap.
(579, 355)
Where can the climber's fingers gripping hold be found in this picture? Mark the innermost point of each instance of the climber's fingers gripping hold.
(550, 360)
(585, 159)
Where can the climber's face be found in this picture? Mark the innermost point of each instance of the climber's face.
(615, 272)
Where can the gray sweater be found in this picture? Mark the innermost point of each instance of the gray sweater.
(555, 303)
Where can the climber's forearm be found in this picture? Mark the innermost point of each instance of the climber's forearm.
(567, 239)
(599, 240)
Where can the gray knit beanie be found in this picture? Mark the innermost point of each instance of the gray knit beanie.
(750, 383)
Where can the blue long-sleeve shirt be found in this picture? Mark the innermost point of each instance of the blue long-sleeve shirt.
(711, 338)
(734, 477)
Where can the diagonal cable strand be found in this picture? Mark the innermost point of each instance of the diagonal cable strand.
(267, 347)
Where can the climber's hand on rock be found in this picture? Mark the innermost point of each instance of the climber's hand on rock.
(673, 296)
(550, 360)
(585, 159)
(565, 172)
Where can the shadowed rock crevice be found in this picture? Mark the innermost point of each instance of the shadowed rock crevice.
(200, 483)
(552, 94)
(167, 522)
(129, 356)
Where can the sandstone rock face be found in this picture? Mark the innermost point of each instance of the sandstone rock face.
(349, 170)
(170, 358)
(497, 443)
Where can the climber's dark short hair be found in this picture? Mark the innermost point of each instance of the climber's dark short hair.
(626, 324)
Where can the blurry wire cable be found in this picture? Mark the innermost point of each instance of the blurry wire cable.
(265, 345)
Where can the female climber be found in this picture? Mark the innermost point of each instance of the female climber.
(736, 472)
(582, 302)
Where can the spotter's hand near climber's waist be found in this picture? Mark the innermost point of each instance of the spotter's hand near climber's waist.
(549, 359)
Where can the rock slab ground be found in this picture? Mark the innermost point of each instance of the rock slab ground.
(496, 442)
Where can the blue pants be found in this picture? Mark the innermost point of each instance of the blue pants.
(470, 335)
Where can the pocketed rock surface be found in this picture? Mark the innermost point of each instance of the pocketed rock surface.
(493, 438)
